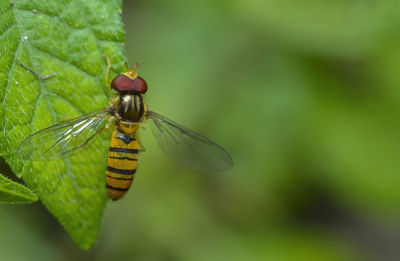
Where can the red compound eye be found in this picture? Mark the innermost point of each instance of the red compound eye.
(139, 85)
(122, 83)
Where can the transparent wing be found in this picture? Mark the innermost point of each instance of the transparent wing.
(61, 139)
(187, 147)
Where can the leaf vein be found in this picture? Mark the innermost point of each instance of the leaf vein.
(71, 26)
(5, 31)
(10, 72)
(66, 100)
(64, 61)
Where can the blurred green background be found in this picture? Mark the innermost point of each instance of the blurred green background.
(305, 95)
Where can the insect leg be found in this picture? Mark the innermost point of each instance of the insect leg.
(35, 73)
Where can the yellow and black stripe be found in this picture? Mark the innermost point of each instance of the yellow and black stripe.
(122, 163)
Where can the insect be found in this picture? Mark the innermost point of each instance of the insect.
(126, 112)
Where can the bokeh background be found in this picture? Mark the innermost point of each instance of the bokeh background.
(305, 95)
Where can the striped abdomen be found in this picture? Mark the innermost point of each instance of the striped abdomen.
(122, 162)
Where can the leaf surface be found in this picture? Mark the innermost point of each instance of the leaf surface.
(13, 192)
(67, 38)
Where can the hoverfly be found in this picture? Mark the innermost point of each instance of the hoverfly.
(127, 110)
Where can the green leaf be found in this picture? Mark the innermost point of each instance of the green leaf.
(13, 192)
(67, 38)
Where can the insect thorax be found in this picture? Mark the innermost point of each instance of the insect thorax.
(130, 111)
